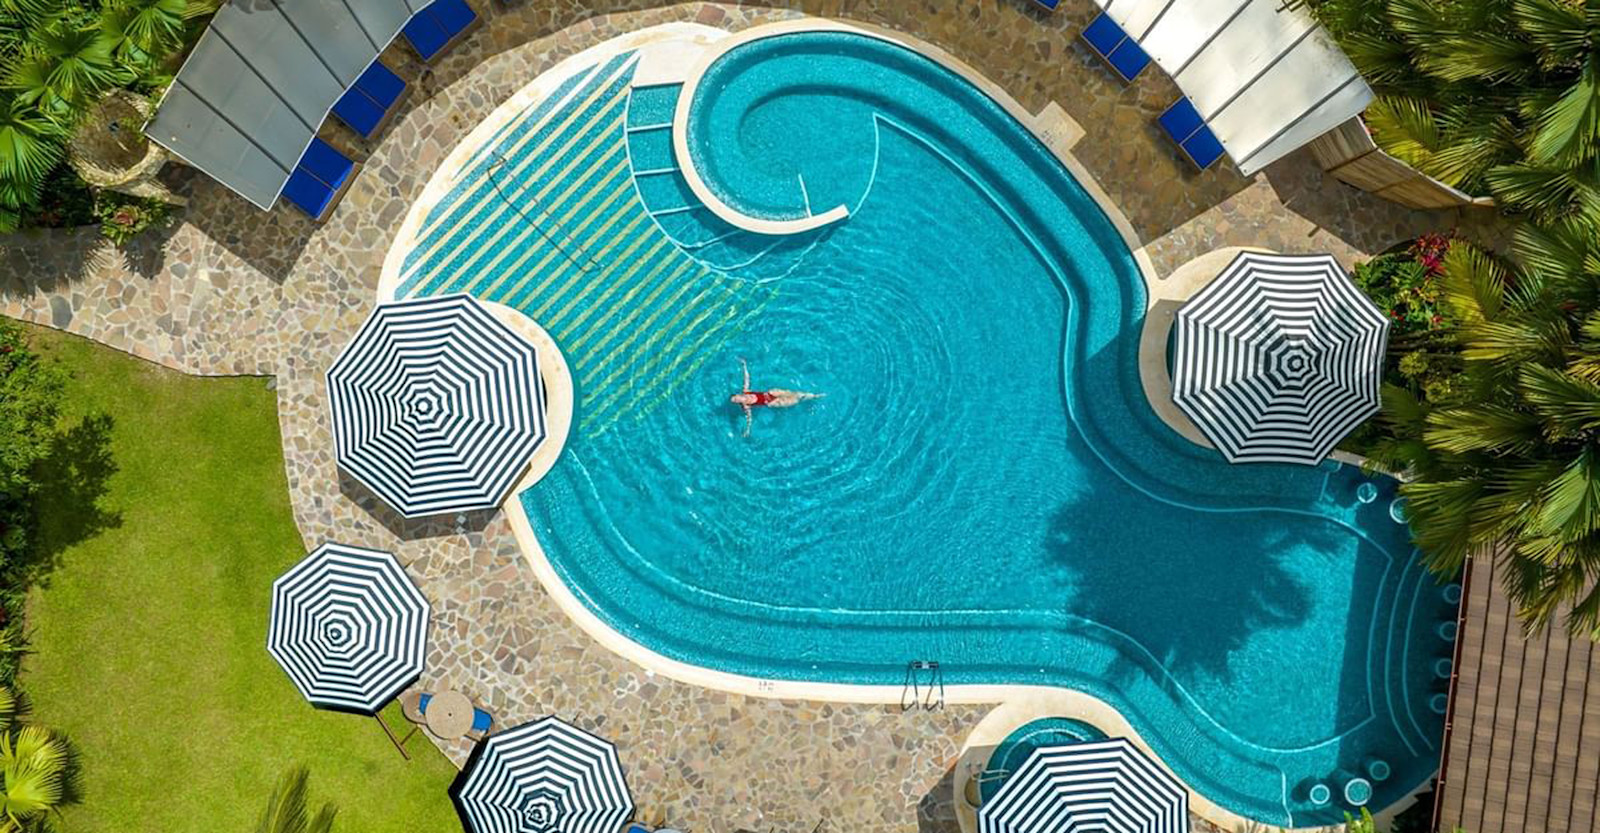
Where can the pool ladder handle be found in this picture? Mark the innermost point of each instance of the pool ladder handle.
(934, 699)
(587, 263)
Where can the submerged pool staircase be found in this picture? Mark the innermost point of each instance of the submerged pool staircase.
(545, 217)
(658, 174)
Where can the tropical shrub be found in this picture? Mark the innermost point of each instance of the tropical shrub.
(287, 810)
(1496, 97)
(123, 218)
(1511, 464)
(1406, 285)
(56, 58)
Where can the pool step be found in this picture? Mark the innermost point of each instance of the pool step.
(547, 218)
(665, 193)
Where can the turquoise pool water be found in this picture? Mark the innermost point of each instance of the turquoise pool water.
(984, 483)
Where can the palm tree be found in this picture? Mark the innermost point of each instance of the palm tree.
(34, 766)
(143, 32)
(286, 809)
(62, 67)
(30, 145)
(1492, 96)
(1512, 463)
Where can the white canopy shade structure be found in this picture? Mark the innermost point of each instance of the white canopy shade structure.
(437, 405)
(250, 97)
(1266, 79)
(1279, 358)
(1104, 786)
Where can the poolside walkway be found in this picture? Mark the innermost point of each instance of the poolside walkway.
(233, 290)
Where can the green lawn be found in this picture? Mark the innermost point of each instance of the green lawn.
(166, 520)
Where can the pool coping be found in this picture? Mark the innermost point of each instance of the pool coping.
(1052, 126)
(558, 399)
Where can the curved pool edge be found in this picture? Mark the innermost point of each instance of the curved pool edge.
(1052, 127)
(670, 36)
(1032, 700)
(559, 401)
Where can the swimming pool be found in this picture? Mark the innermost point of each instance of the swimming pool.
(984, 483)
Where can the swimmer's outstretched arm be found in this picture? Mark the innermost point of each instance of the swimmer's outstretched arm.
(746, 367)
(747, 420)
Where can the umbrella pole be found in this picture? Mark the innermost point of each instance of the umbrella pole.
(390, 732)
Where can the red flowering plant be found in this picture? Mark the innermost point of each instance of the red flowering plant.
(1405, 284)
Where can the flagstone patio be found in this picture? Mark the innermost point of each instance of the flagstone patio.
(233, 290)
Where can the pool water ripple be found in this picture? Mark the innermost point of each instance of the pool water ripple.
(983, 483)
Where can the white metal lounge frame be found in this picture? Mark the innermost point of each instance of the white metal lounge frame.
(1265, 79)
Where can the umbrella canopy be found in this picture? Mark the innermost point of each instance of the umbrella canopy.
(1105, 785)
(437, 405)
(543, 777)
(349, 627)
(1278, 358)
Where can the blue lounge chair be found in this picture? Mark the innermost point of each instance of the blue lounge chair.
(437, 27)
(1119, 51)
(1182, 122)
(319, 180)
(369, 103)
(1049, 4)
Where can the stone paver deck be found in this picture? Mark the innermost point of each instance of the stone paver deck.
(233, 290)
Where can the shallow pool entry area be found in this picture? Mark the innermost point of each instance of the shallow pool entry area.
(982, 484)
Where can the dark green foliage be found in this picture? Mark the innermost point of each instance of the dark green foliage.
(57, 57)
(1509, 460)
(123, 218)
(1496, 97)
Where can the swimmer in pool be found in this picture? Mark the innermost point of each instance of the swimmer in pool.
(775, 398)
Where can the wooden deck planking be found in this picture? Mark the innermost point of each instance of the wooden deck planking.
(1524, 750)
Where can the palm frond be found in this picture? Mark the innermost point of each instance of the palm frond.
(1569, 405)
(1557, 29)
(1569, 132)
(30, 144)
(1404, 128)
(1489, 428)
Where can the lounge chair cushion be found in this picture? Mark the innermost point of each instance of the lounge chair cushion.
(323, 162)
(481, 720)
(1203, 148)
(1104, 34)
(381, 85)
(358, 110)
(454, 15)
(1049, 4)
(1123, 53)
(1181, 120)
(308, 193)
(1128, 59)
(432, 29)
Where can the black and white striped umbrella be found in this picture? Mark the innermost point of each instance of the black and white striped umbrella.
(1279, 358)
(349, 627)
(1103, 786)
(543, 777)
(437, 405)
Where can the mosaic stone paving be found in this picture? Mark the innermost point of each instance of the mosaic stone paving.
(232, 290)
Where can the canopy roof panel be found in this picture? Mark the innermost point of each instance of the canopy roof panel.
(1266, 79)
(264, 75)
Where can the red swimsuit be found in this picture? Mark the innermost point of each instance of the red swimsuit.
(762, 398)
